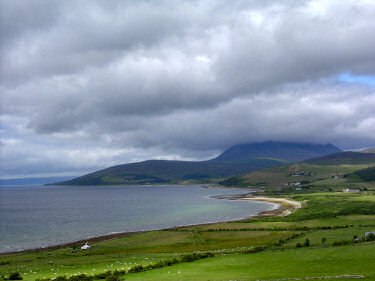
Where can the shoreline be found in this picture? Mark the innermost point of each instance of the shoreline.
(282, 208)
(285, 206)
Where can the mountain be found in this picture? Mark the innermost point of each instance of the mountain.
(230, 163)
(163, 172)
(293, 152)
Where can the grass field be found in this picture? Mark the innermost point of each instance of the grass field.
(294, 263)
(331, 215)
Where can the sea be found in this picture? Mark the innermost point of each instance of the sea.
(40, 216)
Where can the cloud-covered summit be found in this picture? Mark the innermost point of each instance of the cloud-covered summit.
(89, 84)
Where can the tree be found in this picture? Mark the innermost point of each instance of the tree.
(15, 276)
(307, 243)
(324, 240)
(370, 237)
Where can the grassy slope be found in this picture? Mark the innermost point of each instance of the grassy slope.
(316, 177)
(231, 239)
(159, 172)
(295, 263)
(365, 174)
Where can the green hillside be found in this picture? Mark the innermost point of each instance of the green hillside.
(349, 158)
(369, 150)
(164, 172)
(235, 161)
(331, 172)
(366, 174)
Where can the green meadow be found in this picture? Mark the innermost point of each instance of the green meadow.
(262, 248)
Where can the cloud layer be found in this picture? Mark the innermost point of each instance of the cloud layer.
(89, 84)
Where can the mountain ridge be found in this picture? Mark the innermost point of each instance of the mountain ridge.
(289, 151)
(172, 171)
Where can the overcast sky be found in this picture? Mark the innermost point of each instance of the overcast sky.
(90, 84)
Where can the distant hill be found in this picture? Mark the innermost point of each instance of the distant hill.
(366, 174)
(31, 181)
(163, 172)
(237, 160)
(369, 150)
(293, 152)
(331, 172)
(348, 157)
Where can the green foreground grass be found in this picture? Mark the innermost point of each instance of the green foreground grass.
(293, 263)
(336, 217)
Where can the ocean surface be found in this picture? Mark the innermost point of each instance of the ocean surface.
(40, 216)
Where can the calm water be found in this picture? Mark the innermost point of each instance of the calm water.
(39, 216)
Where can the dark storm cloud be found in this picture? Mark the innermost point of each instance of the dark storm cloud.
(130, 80)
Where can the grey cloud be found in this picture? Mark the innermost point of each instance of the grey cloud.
(84, 34)
(308, 112)
(157, 79)
(295, 44)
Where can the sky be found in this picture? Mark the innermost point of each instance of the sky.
(90, 84)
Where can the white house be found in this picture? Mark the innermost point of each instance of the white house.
(351, 190)
(86, 247)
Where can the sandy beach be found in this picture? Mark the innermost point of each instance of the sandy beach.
(286, 206)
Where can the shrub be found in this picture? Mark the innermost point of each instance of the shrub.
(341, 243)
(61, 278)
(370, 237)
(135, 269)
(15, 276)
(256, 250)
(307, 243)
(113, 278)
(81, 277)
(102, 275)
(118, 272)
(195, 256)
(298, 245)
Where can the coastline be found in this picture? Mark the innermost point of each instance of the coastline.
(282, 207)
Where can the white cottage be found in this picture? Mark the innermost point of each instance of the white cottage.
(86, 246)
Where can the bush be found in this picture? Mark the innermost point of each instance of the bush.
(370, 237)
(118, 272)
(102, 275)
(15, 276)
(81, 277)
(137, 268)
(341, 243)
(256, 250)
(113, 278)
(298, 245)
(61, 278)
(307, 243)
(195, 256)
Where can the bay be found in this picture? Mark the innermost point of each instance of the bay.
(40, 216)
